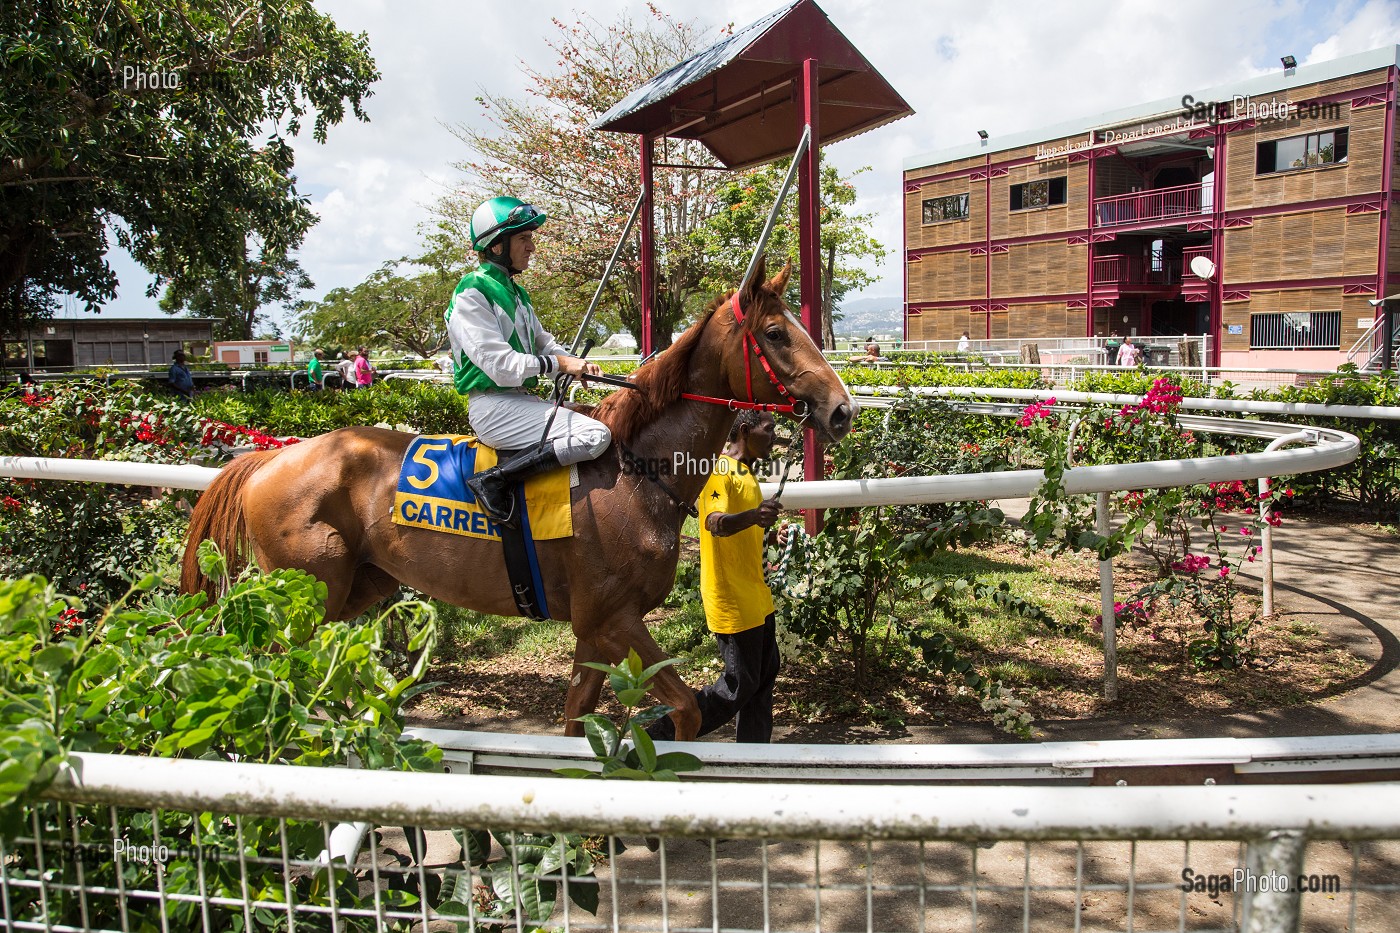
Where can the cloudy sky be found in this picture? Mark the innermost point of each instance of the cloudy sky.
(963, 65)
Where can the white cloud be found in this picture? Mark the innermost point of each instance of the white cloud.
(965, 65)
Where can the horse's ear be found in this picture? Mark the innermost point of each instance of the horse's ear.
(780, 280)
(748, 293)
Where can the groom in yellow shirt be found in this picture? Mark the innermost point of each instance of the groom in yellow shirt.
(738, 603)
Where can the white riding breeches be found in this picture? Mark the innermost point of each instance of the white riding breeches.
(515, 419)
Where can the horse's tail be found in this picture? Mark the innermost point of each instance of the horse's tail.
(218, 517)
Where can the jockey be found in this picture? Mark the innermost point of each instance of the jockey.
(499, 349)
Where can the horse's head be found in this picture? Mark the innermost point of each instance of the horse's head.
(796, 362)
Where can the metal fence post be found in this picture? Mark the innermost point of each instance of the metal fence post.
(1271, 898)
(1266, 532)
(1110, 631)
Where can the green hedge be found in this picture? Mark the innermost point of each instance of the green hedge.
(424, 407)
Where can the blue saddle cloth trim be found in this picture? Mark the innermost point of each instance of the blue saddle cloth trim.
(532, 556)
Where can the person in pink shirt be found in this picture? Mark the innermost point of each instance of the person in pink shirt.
(364, 372)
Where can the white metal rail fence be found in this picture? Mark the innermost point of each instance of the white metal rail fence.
(728, 857)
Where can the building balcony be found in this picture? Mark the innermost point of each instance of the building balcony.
(1126, 272)
(1160, 205)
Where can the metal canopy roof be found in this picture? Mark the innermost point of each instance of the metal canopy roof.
(740, 97)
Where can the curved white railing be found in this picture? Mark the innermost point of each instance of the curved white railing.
(1241, 406)
(1331, 448)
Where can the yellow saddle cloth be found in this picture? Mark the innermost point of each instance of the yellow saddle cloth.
(432, 491)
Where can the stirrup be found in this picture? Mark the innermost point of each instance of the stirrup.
(505, 517)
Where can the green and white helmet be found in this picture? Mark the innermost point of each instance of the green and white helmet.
(500, 216)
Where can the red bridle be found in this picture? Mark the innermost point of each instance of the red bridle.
(734, 404)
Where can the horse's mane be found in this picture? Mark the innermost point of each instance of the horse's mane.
(659, 384)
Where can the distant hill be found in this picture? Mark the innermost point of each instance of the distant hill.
(863, 316)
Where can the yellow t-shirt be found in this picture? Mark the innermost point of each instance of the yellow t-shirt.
(732, 587)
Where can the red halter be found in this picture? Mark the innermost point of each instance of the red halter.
(734, 404)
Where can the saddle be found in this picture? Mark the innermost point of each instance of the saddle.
(432, 494)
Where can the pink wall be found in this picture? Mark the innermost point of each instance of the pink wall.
(1285, 359)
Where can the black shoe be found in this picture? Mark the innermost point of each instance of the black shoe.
(494, 489)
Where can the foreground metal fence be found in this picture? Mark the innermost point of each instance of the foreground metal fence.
(129, 843)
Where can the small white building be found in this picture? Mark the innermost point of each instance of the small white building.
(620, 341)
(252, 352)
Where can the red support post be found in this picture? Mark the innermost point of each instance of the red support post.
(1217, 248)
(987, 252)
(1089, 247)
(1387, 177)
(809, 257)
(648, 247)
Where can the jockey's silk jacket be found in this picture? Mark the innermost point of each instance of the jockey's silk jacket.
(497, 341)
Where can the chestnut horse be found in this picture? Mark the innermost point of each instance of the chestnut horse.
(324, 505)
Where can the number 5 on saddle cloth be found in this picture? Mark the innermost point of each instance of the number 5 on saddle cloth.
(432, 493)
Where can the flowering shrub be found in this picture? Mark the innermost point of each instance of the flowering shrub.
(233, 435)
(90, 536)
(1207, 584)
(1132, 613)
(1037, 411)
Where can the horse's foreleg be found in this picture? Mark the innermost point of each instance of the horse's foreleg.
(667, 685)
(585, 686)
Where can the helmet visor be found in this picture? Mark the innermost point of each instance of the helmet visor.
(519, 216)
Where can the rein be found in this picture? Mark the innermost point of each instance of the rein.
(790, 408)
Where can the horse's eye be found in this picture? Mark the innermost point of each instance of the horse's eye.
(774, 333)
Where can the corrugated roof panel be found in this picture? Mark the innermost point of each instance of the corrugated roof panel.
(692, 69)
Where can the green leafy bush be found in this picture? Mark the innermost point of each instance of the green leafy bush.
(424, 407)
(257, 676)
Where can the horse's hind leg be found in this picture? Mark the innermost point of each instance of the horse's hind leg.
(585, 686)
(322, 551)
(369, 586)
(667, 685)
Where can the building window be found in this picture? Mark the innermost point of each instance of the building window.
(1291, 330)
(951, 207)
(1034, 194)
(259, 356)
(1295, 152)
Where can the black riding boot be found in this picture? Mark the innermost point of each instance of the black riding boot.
(495, 488)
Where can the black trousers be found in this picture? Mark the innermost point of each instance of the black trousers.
(744, 690)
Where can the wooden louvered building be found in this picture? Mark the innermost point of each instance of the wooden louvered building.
(1089, 229)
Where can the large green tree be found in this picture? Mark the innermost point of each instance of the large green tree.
(237, 294)
(848, 251)
(164, 124)
(400, 305)
(540, 149)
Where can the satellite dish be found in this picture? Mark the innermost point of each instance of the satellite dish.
(1203, 268)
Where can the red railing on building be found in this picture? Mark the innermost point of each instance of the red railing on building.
(1189, 253)
(1134, 270)
(1180, 202)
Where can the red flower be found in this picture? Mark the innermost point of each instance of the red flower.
(68, 621)
(13, 504)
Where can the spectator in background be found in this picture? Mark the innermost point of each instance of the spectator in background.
(364, 372)
(180, 379)
(872, 352)
(1128, 353)
(346, 368)
(315, 372)
(964, 343)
